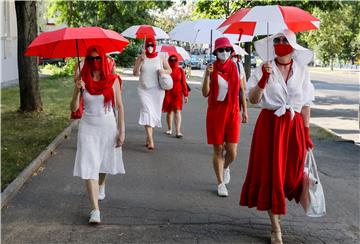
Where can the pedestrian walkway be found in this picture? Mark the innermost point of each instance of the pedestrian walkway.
(169, 195)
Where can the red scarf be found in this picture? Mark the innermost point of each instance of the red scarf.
(152, 41)
(105, 85)
(229, 72)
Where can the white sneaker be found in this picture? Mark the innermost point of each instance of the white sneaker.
(222, 191)
(101, 192)
(227, 175)
(94, 217)
(168, 132)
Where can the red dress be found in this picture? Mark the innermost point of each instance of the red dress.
(173, 99)
(223, 117)
(276, 162)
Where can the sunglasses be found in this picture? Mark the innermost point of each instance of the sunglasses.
(277, 40)
(173, 60)
(227, 49)
(92, 58)
(149, 45)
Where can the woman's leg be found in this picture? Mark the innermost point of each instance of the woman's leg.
(276, 237)
(102, 178)
(230, 155)
(92, 187)
(169, 120)
(178, 121)
(218, 162)
(149, 134)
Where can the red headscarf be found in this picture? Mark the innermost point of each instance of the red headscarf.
(229, 72)
(152, 41)
(105, 85)
(178, 76)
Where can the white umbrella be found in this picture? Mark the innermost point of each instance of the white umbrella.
(143, 31)
(199, 32)
(239, 51)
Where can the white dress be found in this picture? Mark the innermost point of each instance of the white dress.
(96, 152)
(150, 93)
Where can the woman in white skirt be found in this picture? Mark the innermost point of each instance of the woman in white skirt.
(149, 65)
(100, 134)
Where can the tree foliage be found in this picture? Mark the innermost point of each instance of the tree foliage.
(114, 15)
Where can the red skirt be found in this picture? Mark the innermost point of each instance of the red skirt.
(276, 162)
(222, 123)
(173, 101)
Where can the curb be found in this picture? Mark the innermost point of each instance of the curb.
(12, 189)
(335, 134)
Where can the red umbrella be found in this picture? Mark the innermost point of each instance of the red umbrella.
(143, 31)
(73, 42)
(270, 19)
(179, 52)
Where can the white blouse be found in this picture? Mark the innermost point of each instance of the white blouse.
(223, 88)
(279, 96)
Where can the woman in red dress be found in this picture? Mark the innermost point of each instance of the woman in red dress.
(221, 86)
(173, 100)
(281, 137)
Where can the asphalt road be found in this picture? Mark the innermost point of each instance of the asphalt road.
(169, 195)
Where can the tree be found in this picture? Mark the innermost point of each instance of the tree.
(115, 15)
(30, 99)
(338, 35)
(167, 19)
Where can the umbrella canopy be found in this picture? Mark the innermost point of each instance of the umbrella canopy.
(270, 19)
(143, 31)
(199, 32)
(180, 52)
(73, 42)
(239, 51)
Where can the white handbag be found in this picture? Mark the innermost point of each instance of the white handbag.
(312, 198)
(165, 82)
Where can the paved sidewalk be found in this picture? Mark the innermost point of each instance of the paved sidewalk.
(168, 196)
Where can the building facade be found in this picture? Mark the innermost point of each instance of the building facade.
(8, 43)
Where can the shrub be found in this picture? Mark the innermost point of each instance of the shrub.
(128, 56)
(66, 70)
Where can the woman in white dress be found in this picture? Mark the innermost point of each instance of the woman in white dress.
(149, 65)
(100, 134)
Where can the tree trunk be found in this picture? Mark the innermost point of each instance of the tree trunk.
(332, 63)
(247, 65)
(30, 99)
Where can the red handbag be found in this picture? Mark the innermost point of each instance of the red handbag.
(78, 113)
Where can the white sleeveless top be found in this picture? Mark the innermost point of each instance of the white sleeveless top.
(149, 72)
(94, 105)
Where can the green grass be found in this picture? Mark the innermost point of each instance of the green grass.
(25, 136)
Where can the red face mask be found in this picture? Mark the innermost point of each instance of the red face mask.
(283, 49)
(173, 63)
(95, 65)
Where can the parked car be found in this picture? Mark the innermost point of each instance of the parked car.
(194, 62)
(57, 61)
(207, 58)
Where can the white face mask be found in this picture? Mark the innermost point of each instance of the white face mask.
(234, 59)
(223, 56)
(150, 49)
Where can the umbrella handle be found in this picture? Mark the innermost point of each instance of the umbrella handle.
(211, 32)
(267, 43)
(78, 58)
